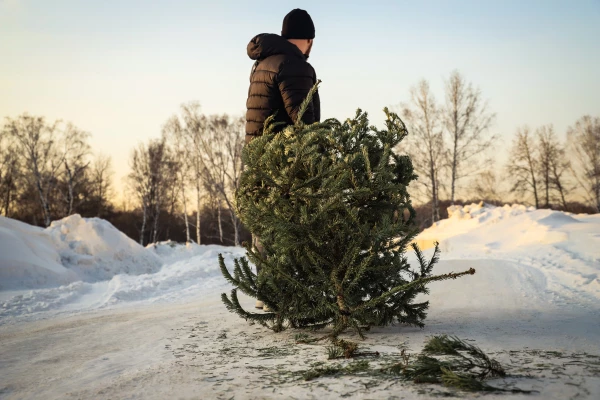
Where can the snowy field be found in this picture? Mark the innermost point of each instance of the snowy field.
(86, 312)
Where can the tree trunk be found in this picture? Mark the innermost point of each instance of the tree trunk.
(70, 198)
(236, 233)
(144, 213)
(533, 181)
(219, 220)
(596, 188)
(454, 159)
(155, 225)
(69, 189)
(559, 187)
(43, 199)
(100, 198)
(185, 215)
(7, 198)
(562, 199)
(198, 214)
(437, 200)
(434, 194)
(44, 203)
(547, 183)
(598, 194)
(535, 193)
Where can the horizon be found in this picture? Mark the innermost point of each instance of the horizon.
(119, 71)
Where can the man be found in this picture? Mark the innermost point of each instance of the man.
(281, 79)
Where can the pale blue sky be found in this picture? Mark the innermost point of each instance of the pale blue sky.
(119, 69)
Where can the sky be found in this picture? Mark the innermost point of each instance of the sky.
(120, 69)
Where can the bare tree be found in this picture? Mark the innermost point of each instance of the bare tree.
(552, 165)
(172, 188)
(9, 173)
(215, 202)
(75, 158)
(140, 184)
(485, 186)
(193, 127)
(545, 153)
(176, 134)
(559, 165)
(101, 180)
(523, 164)
(149, 181)
(425, 142)
(37, 143)
(222, 149)
(584, 140)
(467, 122)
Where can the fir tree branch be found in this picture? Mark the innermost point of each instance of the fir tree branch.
(420, 256)
(434, 259)
(416, 283)
(249, 276)
(236, 281)
(225, 271)
(233, 305)
(306, 102)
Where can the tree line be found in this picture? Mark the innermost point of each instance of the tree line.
(47, 171)
(195, 164)
(452, 148)
(182, 184)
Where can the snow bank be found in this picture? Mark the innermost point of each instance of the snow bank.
(97, 251)
(564, 247)
(463, 219)
(484, 227)
(70, 250)
(86, 263)
(28, 257)
(184, 278)
(170, 252)
(193, 272)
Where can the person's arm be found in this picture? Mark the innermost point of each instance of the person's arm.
(295, 81)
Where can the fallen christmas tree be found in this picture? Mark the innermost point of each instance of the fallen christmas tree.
(445, 360)
(330, 205)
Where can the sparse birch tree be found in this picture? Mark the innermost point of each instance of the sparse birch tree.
(425, 143)
(9, 173)
(38, 144)
(76, 151)
(139, 183)
(148, 180)
(101, 174)
(485, 186)
(584, 140)
(559, 166)
(523, 164)
(552, 165)
(193, 129)
(222, 149)
(466, 122)
(175, 133)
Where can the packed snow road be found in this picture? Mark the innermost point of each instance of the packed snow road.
(534, 304)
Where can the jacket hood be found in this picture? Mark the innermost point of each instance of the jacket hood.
(269, 44)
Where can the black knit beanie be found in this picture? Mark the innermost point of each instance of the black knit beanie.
(298, 25)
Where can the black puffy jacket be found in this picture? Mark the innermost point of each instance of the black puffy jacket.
(279, 82)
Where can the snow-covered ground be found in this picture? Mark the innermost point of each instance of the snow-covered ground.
(86, 312)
